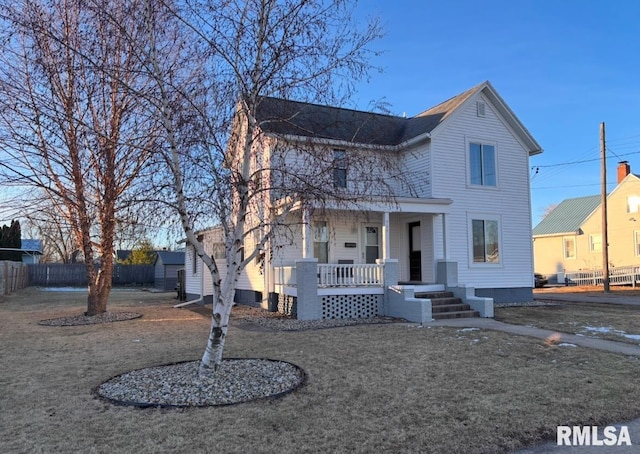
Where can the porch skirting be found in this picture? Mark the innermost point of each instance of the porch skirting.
(336, 306)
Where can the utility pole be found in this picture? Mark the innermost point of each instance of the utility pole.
(605, 236)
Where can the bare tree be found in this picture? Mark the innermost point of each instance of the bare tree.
(250, 51)
(69, 124)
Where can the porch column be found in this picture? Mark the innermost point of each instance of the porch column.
(309, 305)
(385, 236)
(307, 235)
(445, 249)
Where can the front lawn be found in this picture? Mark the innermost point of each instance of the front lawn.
(372, 388)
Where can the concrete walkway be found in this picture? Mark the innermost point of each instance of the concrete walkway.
(583, 341)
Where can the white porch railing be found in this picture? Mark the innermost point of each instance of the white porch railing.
(620, 275)
(350, 275)
(335, 275)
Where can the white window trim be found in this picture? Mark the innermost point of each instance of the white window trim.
(484, 217)
(564, 249)
(468, 142)
(636, 238)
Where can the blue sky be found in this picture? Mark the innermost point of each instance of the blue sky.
(563, 67)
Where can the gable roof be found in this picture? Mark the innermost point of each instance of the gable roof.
(568, 216)
(170, 257)
(294, 118)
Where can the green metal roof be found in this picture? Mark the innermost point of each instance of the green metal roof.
(568, 216)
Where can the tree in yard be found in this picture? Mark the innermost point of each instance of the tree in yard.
(69, 123)
(11, 238)
(231, 58)
(143, 254)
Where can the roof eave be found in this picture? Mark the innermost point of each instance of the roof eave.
(345, 143)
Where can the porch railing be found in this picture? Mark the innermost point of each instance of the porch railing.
(620, 275)
(336, 275)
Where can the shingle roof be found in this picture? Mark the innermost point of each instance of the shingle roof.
(170, 257)
(568, 216)
(280, 116)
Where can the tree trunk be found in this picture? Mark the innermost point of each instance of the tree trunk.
(212, 358)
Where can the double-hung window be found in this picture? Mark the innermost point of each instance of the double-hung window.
(482, 164)
(321, 241)
(339, 169)
(569, 246)
(595, 243)
(486, 240)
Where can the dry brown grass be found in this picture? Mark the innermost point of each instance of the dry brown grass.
(383, 388)
(579, 318)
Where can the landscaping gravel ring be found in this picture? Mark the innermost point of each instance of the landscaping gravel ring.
(177, 385)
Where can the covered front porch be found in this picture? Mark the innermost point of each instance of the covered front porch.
(350, 265)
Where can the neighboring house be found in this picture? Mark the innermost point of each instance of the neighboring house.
(569, 238)
(166, 267)
(31, 250)
(467, 228)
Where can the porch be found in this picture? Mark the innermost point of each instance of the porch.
(310, 290)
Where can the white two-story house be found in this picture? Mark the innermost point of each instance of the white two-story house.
(463, 223)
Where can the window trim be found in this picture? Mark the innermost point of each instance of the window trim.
(636, 241)
(484, 217)
(592, 243)
(482, 142)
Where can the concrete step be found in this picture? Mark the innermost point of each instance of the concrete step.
(450, 308)
(433, 295)
(456, 314)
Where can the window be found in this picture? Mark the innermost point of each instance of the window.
(485, 241)
(569, 245)
(194, 261)
(219, 251)
(482, 164)
(339, 169)
(595, 243)
(321, 241)
(633, 201)
(636, 240)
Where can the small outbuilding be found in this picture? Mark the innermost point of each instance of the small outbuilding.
(166, 269)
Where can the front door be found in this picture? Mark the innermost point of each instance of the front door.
(415, 253)
(371, 243)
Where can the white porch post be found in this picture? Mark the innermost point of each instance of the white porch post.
(385, 236)
(307, 235)
(445, 249)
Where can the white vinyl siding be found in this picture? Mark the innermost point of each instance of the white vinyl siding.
(509, 199)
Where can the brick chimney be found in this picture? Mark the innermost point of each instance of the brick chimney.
(624, 169)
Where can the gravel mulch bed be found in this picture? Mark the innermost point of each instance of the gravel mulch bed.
(178, 385)
(81, 319)
(525, 304)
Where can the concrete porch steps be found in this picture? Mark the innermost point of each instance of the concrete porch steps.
(445, 306)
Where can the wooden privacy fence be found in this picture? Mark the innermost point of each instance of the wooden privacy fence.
(13, 276)
(75, 274)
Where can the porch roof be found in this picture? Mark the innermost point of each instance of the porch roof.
(378, 204)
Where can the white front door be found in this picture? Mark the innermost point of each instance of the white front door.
(371, 242)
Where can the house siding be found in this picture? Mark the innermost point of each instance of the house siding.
(509, 201)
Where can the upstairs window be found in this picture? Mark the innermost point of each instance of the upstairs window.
(595, 243)
(633, 201)
(339, 169)
(482, 164)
